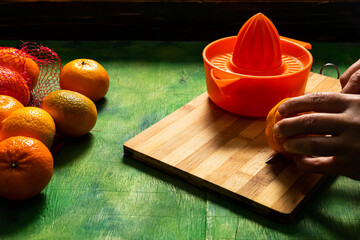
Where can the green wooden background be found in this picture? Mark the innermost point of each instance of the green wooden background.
(97, 193)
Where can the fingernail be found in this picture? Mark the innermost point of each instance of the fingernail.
(289, 147)
(281, 109)
(277, 131)
(286, 146)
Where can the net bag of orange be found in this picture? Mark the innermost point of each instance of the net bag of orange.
(28, 73)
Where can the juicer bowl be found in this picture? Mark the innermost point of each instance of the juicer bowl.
(254, 95)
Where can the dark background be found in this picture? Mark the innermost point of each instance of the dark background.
(174, 20)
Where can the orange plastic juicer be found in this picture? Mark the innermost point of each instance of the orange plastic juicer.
(250, 73)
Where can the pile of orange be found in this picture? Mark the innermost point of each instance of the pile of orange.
(82, 82)
(26, 163)
(27, 133)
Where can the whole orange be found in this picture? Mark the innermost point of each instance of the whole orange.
(14, 85)
(8, 105)
(26, 167)
(74, 114)
(20, 62)
(272, 118)
(31, 122)
(85, 76)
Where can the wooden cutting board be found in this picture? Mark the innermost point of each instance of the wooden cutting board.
(226, 153)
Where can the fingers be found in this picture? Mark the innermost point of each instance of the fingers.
(353, 84)
(329, 165)
(315, 146)
(311, 123)
(317, 102)
(348, 73)
(325, 165)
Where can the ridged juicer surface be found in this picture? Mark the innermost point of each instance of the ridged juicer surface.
(222, 62)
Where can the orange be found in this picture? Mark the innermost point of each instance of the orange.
(272, 118)
(26, 167)
(30, 122)
(74, 114)
(14, 85)
(8, 105)
(20, 62)
(277, 143)
(85, 76)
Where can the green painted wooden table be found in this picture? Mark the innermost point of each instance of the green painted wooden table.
(97, 193)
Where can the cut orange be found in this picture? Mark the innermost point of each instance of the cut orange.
(273, 117)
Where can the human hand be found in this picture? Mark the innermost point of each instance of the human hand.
(326, 140)
(350, 79)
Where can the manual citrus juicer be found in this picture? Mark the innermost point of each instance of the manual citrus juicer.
(250, 73)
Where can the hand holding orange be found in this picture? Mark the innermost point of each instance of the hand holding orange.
(275, 142)
(85, 76)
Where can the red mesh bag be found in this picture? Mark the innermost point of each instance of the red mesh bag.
(14, 85)
(29, 73)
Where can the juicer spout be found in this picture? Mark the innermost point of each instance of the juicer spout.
(257, 50)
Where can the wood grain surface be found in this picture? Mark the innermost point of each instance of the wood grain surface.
(226, 153)
(98, 193)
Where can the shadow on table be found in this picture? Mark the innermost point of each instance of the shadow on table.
(100, 104)
(17, 216)
(343, 219)
(169, 179)
(309, 212)
(67, 149)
